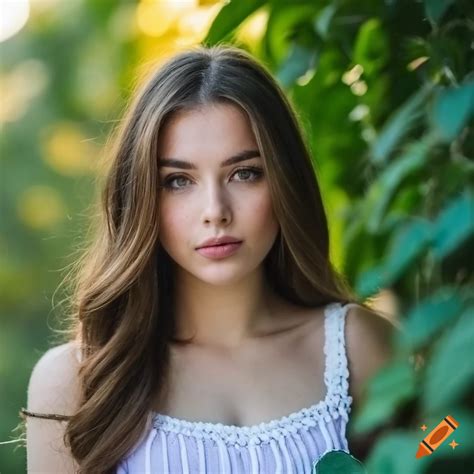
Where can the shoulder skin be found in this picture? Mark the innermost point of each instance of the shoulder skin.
(53, 389)
(368, 347)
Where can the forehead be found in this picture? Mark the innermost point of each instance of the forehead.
(210, 132)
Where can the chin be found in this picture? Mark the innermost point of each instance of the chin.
(221, 278)
(220, 274)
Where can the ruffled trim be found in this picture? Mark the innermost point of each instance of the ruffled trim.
(336, 403)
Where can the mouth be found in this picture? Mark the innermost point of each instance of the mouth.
(220, 245)
(220, 250)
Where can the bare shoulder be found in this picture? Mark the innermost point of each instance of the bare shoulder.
(53, 385)
(53, 389)
(368, 346)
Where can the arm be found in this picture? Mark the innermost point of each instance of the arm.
(368, 348)
(53, 389)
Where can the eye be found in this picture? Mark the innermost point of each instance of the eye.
(172, 180)
(254, 171)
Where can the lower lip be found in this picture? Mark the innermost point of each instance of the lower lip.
(220, 251)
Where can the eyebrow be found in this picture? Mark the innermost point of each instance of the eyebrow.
(187, 165)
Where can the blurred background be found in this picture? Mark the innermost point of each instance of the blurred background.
(385, 94)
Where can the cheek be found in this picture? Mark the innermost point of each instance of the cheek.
(263, 214)
(173, 223)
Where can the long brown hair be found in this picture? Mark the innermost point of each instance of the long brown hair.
(121, 314)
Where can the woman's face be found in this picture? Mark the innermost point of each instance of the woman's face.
(214, 200)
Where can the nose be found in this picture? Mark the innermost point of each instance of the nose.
(217, 206)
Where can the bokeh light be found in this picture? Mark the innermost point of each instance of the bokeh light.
(13, 17)
(40, 207)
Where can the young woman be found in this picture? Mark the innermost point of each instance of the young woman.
(211, 332)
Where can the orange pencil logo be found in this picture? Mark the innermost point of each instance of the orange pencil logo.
(437, 436)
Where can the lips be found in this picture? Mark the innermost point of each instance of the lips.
(220, 251)
(216, 241)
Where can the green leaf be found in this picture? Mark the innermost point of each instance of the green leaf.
(450, 370)
(390, 387)
(394, 453)
(407, 245)
(452, 108)
(340, 462)
(299, 61)
(323, 20)
(429, 316)
(371, 281)
(399, 124)
(383, 189)
(230, 16)
(435, 9)
(372, 48)
(454, 225)
(286, 20)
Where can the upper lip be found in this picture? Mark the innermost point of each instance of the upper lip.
(225, 239)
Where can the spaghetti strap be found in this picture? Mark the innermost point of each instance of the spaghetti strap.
(290, 443)
(336, 375)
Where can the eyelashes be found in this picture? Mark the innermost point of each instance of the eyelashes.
(255, 171)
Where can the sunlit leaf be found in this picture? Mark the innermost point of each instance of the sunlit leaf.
(299, 60)
(371, 49)
(229, 18)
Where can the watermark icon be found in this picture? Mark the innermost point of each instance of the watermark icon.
(437, 436)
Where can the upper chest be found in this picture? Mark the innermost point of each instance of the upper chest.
(269, 379)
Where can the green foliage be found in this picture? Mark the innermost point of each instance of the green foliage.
(454, 225)
(384, 188)
(371, 50)
(229, 18)
(299, 61)
(388, 102)
(449, 374)
(435, 9)
(452, 108)
(431, 315)
(399, 124)
(387, 390)
(340, 462)
(395, 454)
